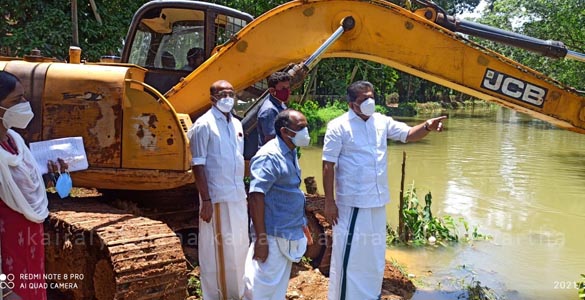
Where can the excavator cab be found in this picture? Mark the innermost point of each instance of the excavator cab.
(172, 38)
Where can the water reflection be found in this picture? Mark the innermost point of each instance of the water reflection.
(513, 177)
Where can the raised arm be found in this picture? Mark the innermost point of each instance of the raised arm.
(419, 131)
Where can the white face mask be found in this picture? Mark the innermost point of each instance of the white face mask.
(17, 116)
(368, 107)
(302, 137)
(225, 104)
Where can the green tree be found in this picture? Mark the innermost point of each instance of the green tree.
(411, 88)
(46, 25)
(333, 75)
(328, 82)
(547, 20)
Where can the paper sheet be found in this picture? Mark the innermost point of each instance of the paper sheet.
(70, 149)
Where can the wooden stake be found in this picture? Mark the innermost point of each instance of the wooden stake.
(401, 229)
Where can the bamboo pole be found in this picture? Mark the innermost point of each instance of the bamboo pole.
(312, 81)
(95, 12)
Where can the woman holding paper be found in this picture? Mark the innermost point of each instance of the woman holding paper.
(24, 200)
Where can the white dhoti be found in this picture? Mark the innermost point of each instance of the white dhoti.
(358, 254)
(223, 243)
(269, 280)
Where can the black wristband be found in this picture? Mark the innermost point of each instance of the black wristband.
(427, 127)
(206, 200)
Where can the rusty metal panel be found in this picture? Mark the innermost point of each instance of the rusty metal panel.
(153, 136)
(86, 100)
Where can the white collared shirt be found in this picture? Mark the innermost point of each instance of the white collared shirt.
(359, 149)
(219, 146)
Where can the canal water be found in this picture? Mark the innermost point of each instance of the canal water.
(518, 179)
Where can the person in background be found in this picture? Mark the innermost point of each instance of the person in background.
(277, 210)
(24, 199)
(354, 162)
(274, 103)
(217, 145)
(195, 58)
(168, 60)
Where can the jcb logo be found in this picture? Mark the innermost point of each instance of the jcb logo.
(514, 87)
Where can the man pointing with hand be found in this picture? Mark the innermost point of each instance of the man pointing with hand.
(354, 161)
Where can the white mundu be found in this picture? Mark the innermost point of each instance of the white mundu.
(358, 258)
(222, 252)
(217, 143)
(358, 148)
(268, 280)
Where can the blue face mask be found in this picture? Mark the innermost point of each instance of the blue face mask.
(64, 185)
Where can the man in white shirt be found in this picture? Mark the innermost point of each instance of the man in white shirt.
(354, 158)
(217, 145)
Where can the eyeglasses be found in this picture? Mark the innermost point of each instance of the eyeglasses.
(224, 94)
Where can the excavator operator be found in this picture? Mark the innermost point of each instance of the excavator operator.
(195, 58)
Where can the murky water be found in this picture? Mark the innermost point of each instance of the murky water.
(519, 180)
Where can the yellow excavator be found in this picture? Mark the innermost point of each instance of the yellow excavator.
(133, 114)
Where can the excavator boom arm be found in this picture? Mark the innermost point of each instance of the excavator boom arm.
(387, 34)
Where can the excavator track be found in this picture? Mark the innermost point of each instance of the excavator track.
(111, 254)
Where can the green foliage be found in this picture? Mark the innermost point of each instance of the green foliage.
(477, 292)
(194, 286)
(382, 109)
(422, 228)
(406, 109)
(46, 25)
(391, 236)
(318, 117)
(560, 20)
(420, 223)
(335, 74)
(581, 286)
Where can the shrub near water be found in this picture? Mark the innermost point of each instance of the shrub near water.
(318, 117)
(422, 228)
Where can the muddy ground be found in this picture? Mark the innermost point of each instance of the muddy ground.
(307, 281)
(309, 284)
